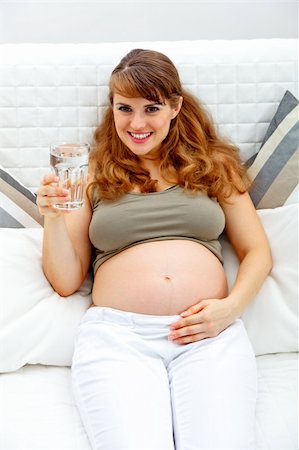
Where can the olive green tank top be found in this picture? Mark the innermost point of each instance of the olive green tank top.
(136, 218)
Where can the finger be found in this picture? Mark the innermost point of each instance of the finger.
(50, 204)
(193, 309)
(50, 178)
(49, 195)
(191, 320)
(49, 201)
(47, 181)
(189, 339)
(187, 331)
(53, 191)
(45, 201)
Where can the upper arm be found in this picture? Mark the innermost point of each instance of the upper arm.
(77, 223)
(243, 226)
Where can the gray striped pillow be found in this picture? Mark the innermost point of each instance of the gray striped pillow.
(274, 169)
(18, 207)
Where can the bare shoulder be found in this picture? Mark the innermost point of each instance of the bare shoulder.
(243, 226)
(237, 204)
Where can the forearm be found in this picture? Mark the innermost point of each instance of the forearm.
(252, 272)
(61, 264)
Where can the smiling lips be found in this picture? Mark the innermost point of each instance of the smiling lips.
(139, 138)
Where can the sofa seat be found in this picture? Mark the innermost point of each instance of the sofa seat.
(38, 411)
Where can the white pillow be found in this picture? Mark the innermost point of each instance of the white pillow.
(37, 326)
(271, 319)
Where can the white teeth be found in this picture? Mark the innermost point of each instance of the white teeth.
(140, 136)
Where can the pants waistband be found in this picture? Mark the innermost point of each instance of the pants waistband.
(103, 313)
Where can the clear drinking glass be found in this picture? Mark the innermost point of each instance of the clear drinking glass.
(70, 163)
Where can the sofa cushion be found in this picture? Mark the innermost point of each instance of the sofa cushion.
(271, 319)
(18, 207)
(40, 411)
(37, 325)
(40, 401)
(274, 170)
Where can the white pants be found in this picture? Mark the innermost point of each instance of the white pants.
(135, 390)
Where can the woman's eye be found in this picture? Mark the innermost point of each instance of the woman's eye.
(124, 108)
(152, 109)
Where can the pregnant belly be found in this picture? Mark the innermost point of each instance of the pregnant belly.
(162, 278)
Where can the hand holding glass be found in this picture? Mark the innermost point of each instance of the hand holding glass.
(70, 164)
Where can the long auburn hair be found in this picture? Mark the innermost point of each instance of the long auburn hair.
(200, 159)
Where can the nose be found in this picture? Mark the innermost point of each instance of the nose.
(138, 121)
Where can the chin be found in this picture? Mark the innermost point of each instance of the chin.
(140, 152)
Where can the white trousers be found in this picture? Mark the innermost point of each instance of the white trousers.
(136, 390)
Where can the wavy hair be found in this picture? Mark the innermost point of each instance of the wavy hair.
(192, 155)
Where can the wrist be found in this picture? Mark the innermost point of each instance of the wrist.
(236, 307)
(53, 220)
(54, 215)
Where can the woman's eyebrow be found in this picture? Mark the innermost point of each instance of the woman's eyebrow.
(154, 104)
(121, 104)
(145, 106)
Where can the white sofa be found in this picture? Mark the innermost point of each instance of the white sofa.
(51, 93)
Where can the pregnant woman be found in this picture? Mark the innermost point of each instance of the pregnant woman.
(162, 360)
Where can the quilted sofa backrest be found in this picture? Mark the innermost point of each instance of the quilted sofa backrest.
(56, 92)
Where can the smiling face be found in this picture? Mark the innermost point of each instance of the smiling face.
(142, 124)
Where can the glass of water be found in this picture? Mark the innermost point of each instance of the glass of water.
(70, 164)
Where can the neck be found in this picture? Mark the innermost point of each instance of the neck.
(152, 165)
